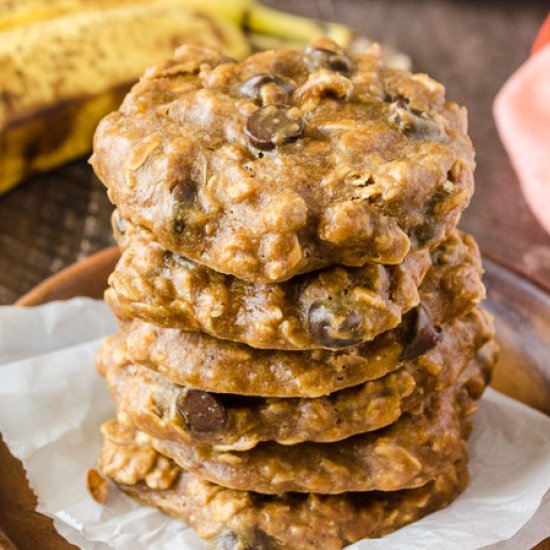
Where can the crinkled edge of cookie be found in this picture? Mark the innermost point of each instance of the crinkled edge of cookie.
(403, 455)
(230, 422)
(230, 519)
(333, 308)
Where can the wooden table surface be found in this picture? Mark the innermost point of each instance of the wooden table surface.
(472, 46)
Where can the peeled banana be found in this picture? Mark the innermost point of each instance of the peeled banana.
(64, 64)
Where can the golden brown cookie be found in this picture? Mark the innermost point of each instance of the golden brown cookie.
(450, 289)
(231, 520)
(406, 454)
(200, 361)
(233, 422)
(287, 161)
(333, 308)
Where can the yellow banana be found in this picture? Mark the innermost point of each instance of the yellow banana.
(263, 20)
(260, 42)
(64, 64)
(60, 76)
(25, 12)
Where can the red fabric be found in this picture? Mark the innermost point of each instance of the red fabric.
(543, 37)
(522, 114)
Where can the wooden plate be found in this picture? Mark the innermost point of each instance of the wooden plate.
(522, 316)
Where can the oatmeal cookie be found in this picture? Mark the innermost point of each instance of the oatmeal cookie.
(288, 161)
(229, 519)
(233, 422)
(202, 362)
(404, 455)
(205, 363)
(333, 308)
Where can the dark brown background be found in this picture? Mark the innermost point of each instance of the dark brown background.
(472, 46)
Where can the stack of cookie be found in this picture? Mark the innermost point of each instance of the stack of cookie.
(300, 345)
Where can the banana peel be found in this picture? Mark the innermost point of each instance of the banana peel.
(25, 12)
(267, 21)
(60, 76)
(64, 64)
(51, 138)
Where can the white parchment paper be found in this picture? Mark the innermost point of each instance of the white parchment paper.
(52, 403)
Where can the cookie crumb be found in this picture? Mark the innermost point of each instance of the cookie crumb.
(97, 486)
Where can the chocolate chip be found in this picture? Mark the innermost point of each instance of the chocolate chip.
(178, 225)
(253, 86)
(320, 58)
(340, 64)
(321, 325)
(184, 192)
(203, 411)
(424, 233)
(274, 125)
(423, 337)
(414, 122)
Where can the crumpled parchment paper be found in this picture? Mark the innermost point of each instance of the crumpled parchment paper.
(52, 403)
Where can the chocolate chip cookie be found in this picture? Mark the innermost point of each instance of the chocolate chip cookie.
(202, 362)
(288, 161)
(229, 519)
(233, 422)
(300, 348)
(406, 454)
(333, 308)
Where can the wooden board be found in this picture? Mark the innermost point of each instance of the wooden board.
(522, 315)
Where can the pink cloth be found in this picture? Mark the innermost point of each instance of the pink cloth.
(522, 114)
